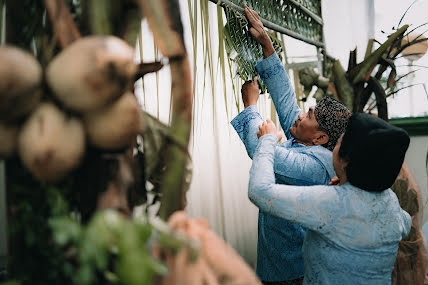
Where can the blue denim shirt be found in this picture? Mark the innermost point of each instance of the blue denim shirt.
(279, 246)
(352, 235)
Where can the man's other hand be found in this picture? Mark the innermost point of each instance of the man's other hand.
(258, 32)
(334, 181)
(250, 92)
(268, 128)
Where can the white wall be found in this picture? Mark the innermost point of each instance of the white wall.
(347, 25)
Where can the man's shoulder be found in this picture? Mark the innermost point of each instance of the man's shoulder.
(310, 149)
(320, 158)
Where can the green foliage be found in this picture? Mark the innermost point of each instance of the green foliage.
(55, 235)
(34, 258)
(49, 245)
(110, 248)
(301, 18)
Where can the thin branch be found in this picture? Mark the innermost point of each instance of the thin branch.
(417, 27)
(402, 17)
(398, 90)
(372, 104)
(411, 54)
(144, 68)
(407, 45)
(415, 65)
(401, 77)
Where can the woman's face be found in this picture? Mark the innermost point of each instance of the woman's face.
(339, 164)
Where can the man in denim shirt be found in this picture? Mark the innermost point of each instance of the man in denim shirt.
(304, 159)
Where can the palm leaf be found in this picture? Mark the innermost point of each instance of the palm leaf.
(221, 53)
(300, 19)
(241, 48)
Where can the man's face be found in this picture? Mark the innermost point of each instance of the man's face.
(306, 128)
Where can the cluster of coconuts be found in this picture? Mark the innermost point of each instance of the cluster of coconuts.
(93, 79)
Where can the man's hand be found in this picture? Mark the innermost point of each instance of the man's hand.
(268, 128)
(258, 32)
(334, 181)
(250, 92)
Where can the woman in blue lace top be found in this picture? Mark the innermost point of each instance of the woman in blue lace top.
(354, 227)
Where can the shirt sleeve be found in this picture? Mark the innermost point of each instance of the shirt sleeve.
(246, 124)
(310, 206)
(304, 168)
(280, 89)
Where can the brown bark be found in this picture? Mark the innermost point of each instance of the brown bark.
(164, 20)
(381, 104)
(63, 25)
(411, 263)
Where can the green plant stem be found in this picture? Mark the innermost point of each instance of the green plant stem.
(343, 87)
(381, 104)
(176, 150)
(362, 71)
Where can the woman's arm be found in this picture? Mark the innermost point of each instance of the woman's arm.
(313, 207)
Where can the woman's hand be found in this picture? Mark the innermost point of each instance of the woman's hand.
(268, 128)
(334, 181)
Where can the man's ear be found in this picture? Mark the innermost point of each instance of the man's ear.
(321, 138)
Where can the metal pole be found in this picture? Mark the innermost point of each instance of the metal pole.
(273, 26)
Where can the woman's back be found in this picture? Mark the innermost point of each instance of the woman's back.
(359, 244)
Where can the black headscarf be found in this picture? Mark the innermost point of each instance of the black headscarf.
(374, 150)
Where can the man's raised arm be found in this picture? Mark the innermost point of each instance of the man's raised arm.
(273, 75)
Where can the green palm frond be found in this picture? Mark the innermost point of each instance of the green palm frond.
(241, 48)
(300, 19)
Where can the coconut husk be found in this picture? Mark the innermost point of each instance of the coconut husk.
(115, 126)
(99, 69)
(20, 81)
(50, 143)
(411, 262)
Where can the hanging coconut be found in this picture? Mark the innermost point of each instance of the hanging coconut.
(20, 80)
(115, 126)
(50, 143)
(8, 139)
(91, 72)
